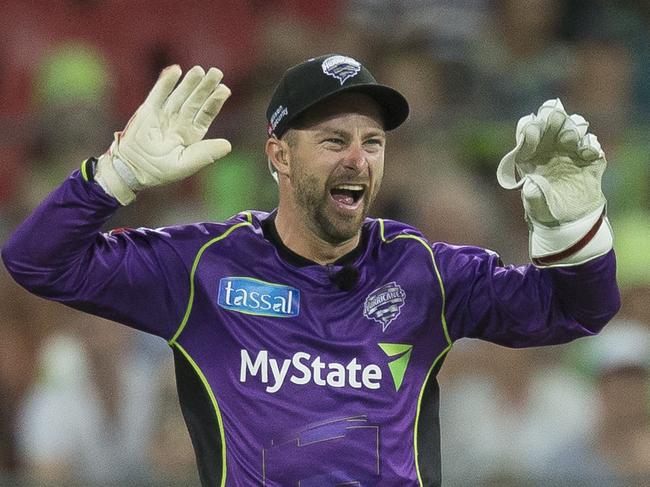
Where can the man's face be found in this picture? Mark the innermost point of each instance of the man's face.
(337, 164)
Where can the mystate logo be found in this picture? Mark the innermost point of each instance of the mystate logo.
(305, 368)
(255, 297)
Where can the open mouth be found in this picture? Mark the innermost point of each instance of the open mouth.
(348, 195)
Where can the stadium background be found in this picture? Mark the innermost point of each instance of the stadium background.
(87, 402)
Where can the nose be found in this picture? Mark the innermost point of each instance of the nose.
(355, 158)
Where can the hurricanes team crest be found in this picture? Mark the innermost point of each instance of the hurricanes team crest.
(341, 67)
(384, 304)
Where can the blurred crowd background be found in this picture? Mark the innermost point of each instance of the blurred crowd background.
(88, 402)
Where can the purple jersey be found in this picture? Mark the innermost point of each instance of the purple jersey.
(284, 378)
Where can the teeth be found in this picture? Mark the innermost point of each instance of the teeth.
(350, 187)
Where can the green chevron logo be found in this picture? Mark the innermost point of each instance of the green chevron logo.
(398, 366)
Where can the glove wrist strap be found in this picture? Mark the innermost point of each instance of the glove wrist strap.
(126, 174)
(573, 243)
(112, 182)
(579, 245)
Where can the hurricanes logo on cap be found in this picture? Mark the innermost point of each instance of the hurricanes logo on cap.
(341, 67)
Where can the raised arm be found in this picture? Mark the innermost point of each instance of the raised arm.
(137, 277)
(570, 289)
(525, 306)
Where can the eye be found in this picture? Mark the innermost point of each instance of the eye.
(335, 140)
(374, 143)
(334, 143)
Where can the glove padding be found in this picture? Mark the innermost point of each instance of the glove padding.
(560, 166)
(162, 143)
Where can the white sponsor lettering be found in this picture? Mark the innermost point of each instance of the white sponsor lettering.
(301, 369)
(278, 115)
(253, 300)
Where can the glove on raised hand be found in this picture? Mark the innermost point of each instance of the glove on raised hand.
(559, 167)
(163, 141)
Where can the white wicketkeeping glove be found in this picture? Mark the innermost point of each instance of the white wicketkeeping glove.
(163, 141)
(559, 168)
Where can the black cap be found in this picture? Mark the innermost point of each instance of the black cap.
(317, 79)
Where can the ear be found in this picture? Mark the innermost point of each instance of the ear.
(277, 152)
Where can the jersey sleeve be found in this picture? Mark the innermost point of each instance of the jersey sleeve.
(524, 306)
(136, 277)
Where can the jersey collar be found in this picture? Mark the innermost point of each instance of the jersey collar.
(271, 234)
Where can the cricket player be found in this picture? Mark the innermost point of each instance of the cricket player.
(307, 340)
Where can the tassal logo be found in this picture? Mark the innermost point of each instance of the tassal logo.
(255, 297)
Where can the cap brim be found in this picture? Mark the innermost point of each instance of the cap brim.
(395, 108)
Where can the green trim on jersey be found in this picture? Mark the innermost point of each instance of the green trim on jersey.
(417, 413)
(215, 406)
(435, 268)
(190, 302)
(444, 327)
(249, 216)
(84, 170)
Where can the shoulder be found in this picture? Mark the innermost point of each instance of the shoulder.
(393, 232)
(194, 233)
(466, 251)
(386, 230)
(391, 240)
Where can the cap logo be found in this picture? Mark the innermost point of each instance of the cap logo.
(341, 67)
(277, 117)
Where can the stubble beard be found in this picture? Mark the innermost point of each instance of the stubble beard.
(331, 226)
